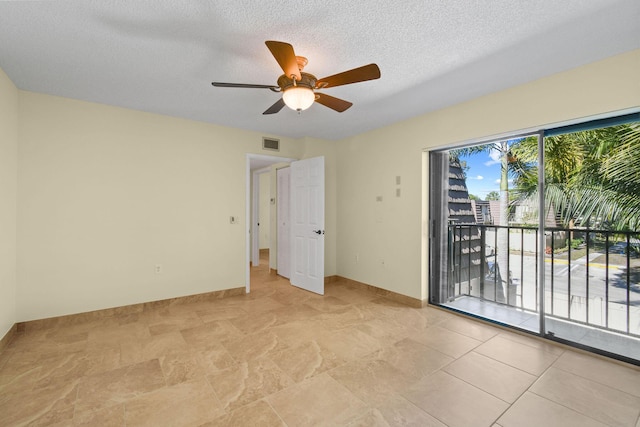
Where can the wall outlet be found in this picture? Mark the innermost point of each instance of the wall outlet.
(158, 268)
(357, 258)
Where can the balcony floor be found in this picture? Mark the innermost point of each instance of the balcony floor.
(608, 341)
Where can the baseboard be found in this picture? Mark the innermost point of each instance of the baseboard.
(8, 337)
(73, 319)
(394, 296)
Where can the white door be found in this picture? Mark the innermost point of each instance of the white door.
(307, 223)
(284, 227)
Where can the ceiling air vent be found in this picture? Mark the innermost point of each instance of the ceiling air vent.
(270, 144)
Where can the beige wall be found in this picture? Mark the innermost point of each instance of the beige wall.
(388, 237)
(8, 185)
(105, 194)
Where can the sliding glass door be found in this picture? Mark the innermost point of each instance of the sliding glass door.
(541, 232)
(486, 240)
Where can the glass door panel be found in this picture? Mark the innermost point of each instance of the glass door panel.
(490, 228)
(592, 241)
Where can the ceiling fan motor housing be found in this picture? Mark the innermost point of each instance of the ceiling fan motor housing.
(308, 81)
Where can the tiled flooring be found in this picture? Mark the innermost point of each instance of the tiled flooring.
(284, 357)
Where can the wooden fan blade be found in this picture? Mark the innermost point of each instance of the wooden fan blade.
(361, 74)
(337, 104)
(275, 107)
(286, 57)
(244, 85)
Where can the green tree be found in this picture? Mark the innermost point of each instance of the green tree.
(590, 176)
(493, 195)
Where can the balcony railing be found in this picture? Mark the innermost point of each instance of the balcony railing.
(592, 277)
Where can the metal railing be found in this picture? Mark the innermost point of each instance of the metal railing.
(592, 277)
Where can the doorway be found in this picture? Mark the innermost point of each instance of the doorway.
(256, 166)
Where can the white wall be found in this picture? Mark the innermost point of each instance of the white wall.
(106, 193)
(273, 214)
(387, 236)
(264, 213)
(8, 185)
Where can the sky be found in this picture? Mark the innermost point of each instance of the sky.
(483, 175)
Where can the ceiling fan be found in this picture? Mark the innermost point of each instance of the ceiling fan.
(299, 88)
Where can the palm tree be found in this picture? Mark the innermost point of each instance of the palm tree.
(612, 190)
(590, 175)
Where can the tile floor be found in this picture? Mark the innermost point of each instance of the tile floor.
(281, 356)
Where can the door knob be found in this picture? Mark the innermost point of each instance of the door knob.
(318, 231)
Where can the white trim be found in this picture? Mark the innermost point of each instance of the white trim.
(247, 221)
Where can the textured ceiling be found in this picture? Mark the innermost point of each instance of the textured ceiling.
(161, 56)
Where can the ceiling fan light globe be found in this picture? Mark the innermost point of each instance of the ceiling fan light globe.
(298, 98)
